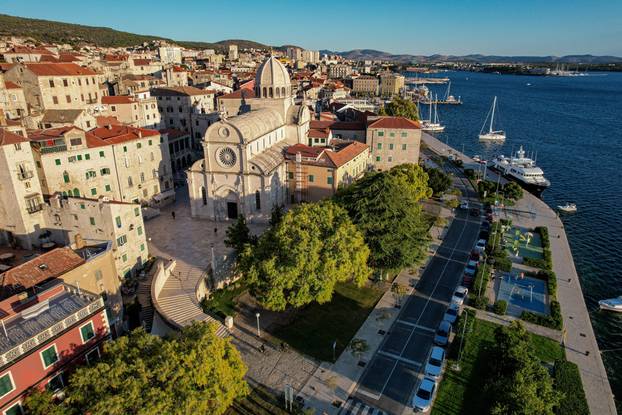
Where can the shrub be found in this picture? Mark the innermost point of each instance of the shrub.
(503, 263)
(535, 262)
(469, 173)
(480, 302)
(500, 307)
(568, 381)
(554, 321)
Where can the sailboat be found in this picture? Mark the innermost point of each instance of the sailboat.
(493, 135)
(450, 99)
(433, 124)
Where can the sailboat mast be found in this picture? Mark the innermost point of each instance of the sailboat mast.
(492, 117)
(430, 99)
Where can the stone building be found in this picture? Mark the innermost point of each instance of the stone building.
(393, 141)
(243, 170)
(391, 83)
(365, 85)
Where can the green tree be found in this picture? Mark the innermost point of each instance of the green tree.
(276, 215)
(519, 384)
(512, 190)
(400, 107)
(238, 234)
(300, 260)
(390, 218)
(414, 178)
(192, 372)
(438, 181)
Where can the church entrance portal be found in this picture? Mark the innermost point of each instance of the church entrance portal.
(232, 210)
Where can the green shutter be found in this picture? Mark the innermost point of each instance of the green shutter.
(6, 385)
(49, 356)
(87, 332)
(102, 154)
(57, 161)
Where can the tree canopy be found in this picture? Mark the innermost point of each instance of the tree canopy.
(519, 384)
(400, 107)
(415, 178)
(238, 235)
(302, 257)
(390, 217)
(193, 372)
(438, 181)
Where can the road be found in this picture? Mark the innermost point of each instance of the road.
(388, 383)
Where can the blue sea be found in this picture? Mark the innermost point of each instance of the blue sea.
(574, 125)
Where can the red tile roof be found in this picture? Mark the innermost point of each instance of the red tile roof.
(179, 90)
(59, 69)
(173, 132)
(11, 85)
(26, 49)
(305, 151)
(337, 125)
(46, 266)
(347, 153)
(142, 62)
(115, 134)
(237, 94)
(118, 99)
(115, 58)
(41, 135)
(7, 137)
(318, 133)
(326, 156)
(103, 121)
(400, 123)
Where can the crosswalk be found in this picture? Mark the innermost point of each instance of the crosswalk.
(355, 406)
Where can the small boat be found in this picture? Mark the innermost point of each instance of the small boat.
(568, 208)
(491, 135)
(612, 304)
(433, 124)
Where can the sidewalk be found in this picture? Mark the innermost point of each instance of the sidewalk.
(505, 320)
(580, 342)
(333, 383)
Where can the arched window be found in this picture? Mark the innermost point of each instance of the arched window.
(76, 192)
(66, 177)
(277, 92)
(265, 94)
(283, 92)
(130, 182)
(271, 93)
(204, 195)
(257, 200)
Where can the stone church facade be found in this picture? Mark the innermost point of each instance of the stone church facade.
(243, 170)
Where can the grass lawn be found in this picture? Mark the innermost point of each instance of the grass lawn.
(222, 303)
(461, 392)
(315, 327)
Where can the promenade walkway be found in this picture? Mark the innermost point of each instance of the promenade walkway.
(580, 341)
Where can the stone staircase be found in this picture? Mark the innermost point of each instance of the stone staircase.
(144, 298)
(177, 299)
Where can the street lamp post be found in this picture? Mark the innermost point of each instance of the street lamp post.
(258, 330)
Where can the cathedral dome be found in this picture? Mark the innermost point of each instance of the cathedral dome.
(272, 80)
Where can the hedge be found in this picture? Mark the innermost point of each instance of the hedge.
(500, 307)
(554, 321)
(568, 381)
(481, 280)
(546, 248)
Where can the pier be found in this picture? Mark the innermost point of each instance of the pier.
(580, 342)
(423, 81)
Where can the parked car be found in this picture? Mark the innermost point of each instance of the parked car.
(424, 396)
(475, 255)
(452, 313)
(464, 204)
(480, 245)
(441, 338)
(435, 364)
(474, 212)
(471, 268)
(483, 234)
(486, 225)
(459, 295)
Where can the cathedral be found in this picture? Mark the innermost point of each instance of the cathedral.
(243, 170)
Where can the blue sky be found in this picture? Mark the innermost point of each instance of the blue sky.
(503, 27)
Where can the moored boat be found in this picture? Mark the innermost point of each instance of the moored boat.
(521, 169)
(612, 304)
(568, 208)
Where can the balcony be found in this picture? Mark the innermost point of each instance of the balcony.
(53, 149)
(34, 208)
(24, 175)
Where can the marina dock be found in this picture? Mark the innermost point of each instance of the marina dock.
(424, 81)
(580, 342)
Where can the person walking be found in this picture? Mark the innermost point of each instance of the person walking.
(173, 214)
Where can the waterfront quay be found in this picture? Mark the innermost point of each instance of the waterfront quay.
(579, 340)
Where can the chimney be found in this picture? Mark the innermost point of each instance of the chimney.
(109, 126)
(140, 133)
(79, 241)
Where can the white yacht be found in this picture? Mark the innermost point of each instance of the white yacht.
(491, 134)
(612, 304)
(521, 169)
(433, 124)
(568, 207)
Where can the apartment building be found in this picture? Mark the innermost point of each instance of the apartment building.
(140, 110)
(391, 83)
(178, 105)
(315, 173)
(56, 85)
(169, 54)
(339, 70)
(175, 76)
(58, 118)
(102, 219)
(180, 148)
(120, 162)
(21, 198)
(233, 52)
(143, 66)
(46, 333)
(12, 99)
(393, 141)
(365, 85)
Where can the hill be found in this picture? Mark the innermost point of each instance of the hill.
(47, 31)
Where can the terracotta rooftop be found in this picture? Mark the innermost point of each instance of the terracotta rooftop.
(103, 121)
(59, 69)
(142, 62)
(347, 153)
(394, 122)
(337, 125)
(179, 90)
(118, 99)
(61, 116)
(49, 133)
(305, 151)
(11, 85)
(7, 137)
(318, 133)
(237, 94)
(327, 156)
(44, 267)
(115, 134)
(173, 132)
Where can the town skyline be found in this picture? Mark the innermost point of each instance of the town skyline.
(553, 31)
